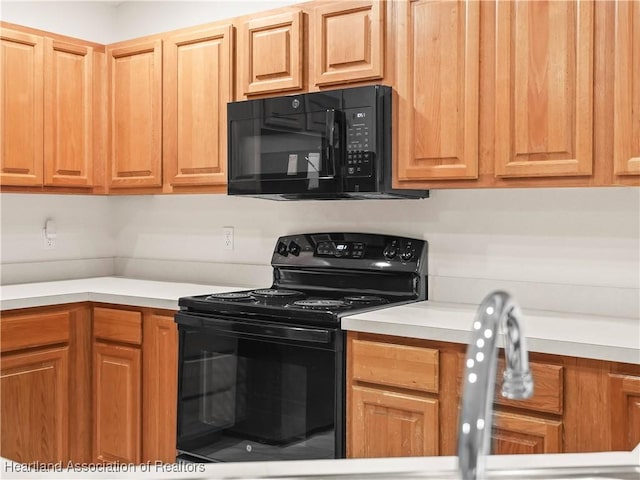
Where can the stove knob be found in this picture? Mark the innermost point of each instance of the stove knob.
(294, 249)
(390, 251)
(406, 255)
(282, 249)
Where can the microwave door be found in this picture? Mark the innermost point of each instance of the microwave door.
(292, 154)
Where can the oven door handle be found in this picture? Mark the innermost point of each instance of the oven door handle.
(249, 329)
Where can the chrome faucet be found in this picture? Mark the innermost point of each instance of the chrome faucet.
(474, 434)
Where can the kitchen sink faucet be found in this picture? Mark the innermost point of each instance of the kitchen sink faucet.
(474, 434)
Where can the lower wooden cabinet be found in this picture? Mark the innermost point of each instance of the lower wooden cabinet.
(579, 405)
(391, 424)
(159, 388)
(88, 383)
(625, 411)
(44, 375)
(117, 403)
(35, 405)
(525, 434)
(135, 385)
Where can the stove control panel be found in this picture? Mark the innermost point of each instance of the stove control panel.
(363, 251)
(340, 249)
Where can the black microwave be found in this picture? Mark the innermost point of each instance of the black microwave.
(332, 144)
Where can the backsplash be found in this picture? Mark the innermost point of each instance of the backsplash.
(560, 249)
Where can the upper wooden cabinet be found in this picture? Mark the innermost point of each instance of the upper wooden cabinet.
(270, 55)
(135, 97)
(22, 107)
(438, 91)
(47, 104)
(544, 88)
(198, 83)
(626, 147)
(68, 111)
(348, 41)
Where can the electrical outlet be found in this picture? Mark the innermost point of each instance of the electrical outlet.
(227, 237)
(49, 242)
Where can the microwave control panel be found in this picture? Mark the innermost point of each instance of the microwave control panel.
(360, 138)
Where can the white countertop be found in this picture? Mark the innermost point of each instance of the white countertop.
(125, 291)
(571, 334)
(580, 335)
(379, 468)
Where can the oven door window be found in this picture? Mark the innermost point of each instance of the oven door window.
(252, 399)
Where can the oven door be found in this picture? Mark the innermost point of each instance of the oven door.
(257, 391)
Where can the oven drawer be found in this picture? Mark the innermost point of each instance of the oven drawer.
(403, 366)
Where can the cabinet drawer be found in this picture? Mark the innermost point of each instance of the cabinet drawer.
(33, 330)
(396, 365)
(117, 325)
(548, 385)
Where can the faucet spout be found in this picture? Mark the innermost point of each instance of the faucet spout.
(498, 309)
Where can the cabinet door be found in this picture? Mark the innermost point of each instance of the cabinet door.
(544, 89)
(270, 54)
(160, 389)
(117, 406)
(21, 107)
(198, 76)
(438, 91)
(625, 412)
(389, 424)
(135, 72)
(35, 405)
(522, 434)
(348, 42)
(68, 132)
(626, 147)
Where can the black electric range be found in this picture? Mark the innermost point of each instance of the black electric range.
(261, 372)
(318, 278)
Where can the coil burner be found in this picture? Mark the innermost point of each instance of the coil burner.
(364, 300)
(230, 296)
(319, 304)
(276, 293)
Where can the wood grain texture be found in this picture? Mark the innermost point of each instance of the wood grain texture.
(198, 83)
(395, 365)
(159, 388)
(348, 42)
(627, 88)
(34, 406)
(544, 89)
(523, 434)
(80, 373)
(21, 107)
(391, 424)
(68, 113)
(624, 411)
(117, 403)
(135, 73)
(437, 83)
(587, 401)
(117, 325)
(270, 53)
(548, 390)
(100, 122)
(38, 328)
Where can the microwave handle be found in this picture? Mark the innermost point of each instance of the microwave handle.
(331, 123)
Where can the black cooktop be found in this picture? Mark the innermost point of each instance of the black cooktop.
(316, 307)
(318, 278)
